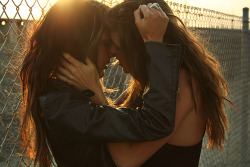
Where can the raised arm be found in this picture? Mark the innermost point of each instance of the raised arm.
(72, 114)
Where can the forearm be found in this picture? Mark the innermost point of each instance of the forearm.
(103, 123)
(99, 101)
(99, 98)
(134, 154)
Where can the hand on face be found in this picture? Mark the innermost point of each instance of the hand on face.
(154, 24)
(81, 76)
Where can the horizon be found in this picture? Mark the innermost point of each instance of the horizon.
(231, 7)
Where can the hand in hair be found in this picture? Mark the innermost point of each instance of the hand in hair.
(153, 25)
(81, 76)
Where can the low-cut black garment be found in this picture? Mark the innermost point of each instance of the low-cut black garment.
(77, 129)
(175, 156)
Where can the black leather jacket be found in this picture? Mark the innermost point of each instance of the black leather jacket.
(77, 128)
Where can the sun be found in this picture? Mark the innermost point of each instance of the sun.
(34, 9)
(110, 3)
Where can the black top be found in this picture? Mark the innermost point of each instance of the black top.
(77, 129)
(69, 153)
(175, 156)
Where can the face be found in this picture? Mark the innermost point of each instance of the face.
(104, 53)
(117, 52)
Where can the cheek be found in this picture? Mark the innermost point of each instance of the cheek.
(103, 55)
(122, 58)
(104, 51)
(99, 57)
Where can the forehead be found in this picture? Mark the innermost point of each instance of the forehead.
(105, 35)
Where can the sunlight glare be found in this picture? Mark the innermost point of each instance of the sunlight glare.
(29, 9)
(3, 23)
(34, 9)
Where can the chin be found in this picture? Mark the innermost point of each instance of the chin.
(101, 74)
(125, 71)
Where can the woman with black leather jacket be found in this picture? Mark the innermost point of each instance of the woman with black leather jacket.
(66, 119)
(201, 89)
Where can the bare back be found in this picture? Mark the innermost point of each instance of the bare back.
(190, 122)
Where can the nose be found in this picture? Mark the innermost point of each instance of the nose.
(111, 55)
(113, 50)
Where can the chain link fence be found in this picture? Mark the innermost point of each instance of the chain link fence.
(226, 36)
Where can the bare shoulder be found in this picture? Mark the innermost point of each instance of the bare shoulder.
(189, 125)
(185, 96)
(185, 77)
(184, 100)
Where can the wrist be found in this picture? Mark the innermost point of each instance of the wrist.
(88, 92)
(153, 37)
(99, 99)
(153, 40)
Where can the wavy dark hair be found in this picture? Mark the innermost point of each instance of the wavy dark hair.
(69, 26)
(202, 67)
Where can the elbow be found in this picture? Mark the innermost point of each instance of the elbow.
(170, 126)
(170, 129)
(167, 128)
(122, 160)
(126, 164)
(122, 155)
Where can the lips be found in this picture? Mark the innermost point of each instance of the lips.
(120, 63)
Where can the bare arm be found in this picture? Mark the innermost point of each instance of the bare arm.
(135, 154)
(72, 115)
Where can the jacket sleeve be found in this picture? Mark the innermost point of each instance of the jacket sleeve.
(73, 116)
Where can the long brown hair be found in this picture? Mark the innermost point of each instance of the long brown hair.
(69, 26)
(202, 67)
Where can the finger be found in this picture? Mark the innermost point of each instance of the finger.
(137, 14)
(63, 78)
(66, 64)
(67, 80)
(71, 59)
(70, 67)
(149, 5)
(90, 63)
(162, 12)
(155, 11)
(146, 11)
(64, 72)
(164, 16)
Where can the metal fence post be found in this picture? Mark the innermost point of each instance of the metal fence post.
(245, 79)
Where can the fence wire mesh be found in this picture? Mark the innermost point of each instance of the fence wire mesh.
(229, 41)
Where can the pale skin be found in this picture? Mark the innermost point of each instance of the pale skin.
(189, 121)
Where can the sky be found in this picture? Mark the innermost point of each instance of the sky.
(233, 7)
(226, 6)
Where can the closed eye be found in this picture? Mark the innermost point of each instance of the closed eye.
(107, 43)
